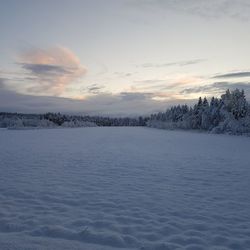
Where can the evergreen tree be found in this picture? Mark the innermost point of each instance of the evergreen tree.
(230, 114)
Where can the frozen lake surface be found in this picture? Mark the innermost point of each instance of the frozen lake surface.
(130, 188)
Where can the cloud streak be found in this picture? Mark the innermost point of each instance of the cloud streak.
(206, 9)
(93, 89)
(180, 64)
(218, 87)
(234, 75)
(44, 69)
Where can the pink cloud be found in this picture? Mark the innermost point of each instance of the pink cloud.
(54, 69)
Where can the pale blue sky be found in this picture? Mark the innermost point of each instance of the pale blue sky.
(120, 56)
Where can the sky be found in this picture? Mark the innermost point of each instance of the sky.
(120, 57)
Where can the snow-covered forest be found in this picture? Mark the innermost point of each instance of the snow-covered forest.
(54, 120)
(228, 114)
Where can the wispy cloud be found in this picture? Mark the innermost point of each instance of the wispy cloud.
(52, 69)
(131, 96)
(124, 103)
(123, 74)
(217, 88)
(206, 9)
(44, 69)
(93, 89)
(173, 83)
(169, 64)
(234, 75)
(149, 81)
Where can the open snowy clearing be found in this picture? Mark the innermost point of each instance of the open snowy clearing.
(130, 188)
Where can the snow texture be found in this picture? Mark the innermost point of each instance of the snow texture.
(123, 188)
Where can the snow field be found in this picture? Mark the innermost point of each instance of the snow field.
(131, 188)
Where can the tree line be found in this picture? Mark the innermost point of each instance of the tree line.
(228, 114)
(50, 120)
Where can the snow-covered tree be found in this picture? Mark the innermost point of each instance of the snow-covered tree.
(229, 114)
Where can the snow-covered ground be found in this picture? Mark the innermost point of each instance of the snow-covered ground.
(131, 188)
